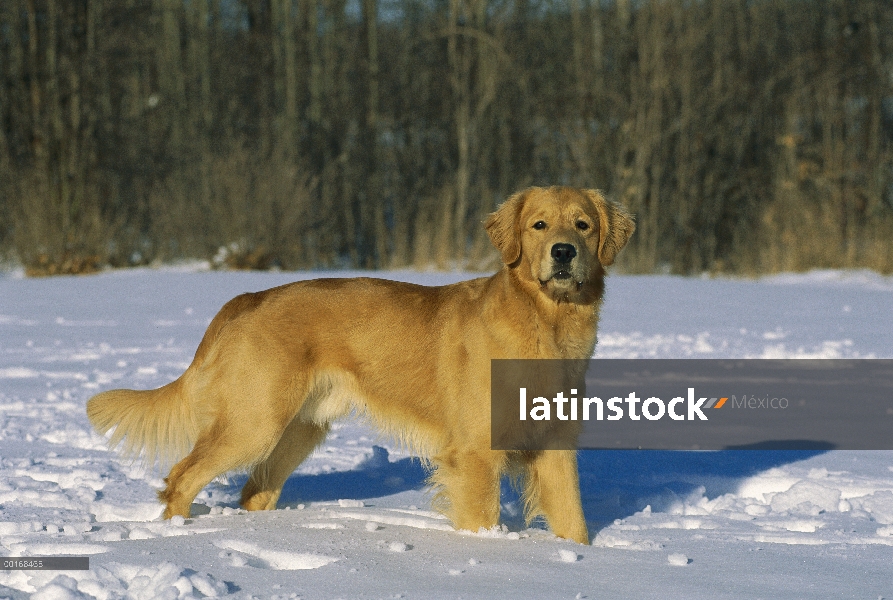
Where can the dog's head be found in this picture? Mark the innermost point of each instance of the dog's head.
(559, 237)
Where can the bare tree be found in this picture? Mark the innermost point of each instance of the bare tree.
(747, 137)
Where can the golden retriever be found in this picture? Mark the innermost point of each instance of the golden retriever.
(276, 367)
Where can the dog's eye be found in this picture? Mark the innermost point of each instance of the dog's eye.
(539, 225)
(582, 225)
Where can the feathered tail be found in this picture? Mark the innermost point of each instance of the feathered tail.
(156, 425)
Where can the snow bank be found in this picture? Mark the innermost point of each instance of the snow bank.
(354, 519)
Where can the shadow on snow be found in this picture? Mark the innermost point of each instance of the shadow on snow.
(614, 484)
(618, 483)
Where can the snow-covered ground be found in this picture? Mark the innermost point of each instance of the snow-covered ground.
(355, 521)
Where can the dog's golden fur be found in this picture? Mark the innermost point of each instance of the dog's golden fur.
(276, 367)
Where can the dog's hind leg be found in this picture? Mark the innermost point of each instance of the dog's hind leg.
(553, 490)
(264, 485)
(225, 446)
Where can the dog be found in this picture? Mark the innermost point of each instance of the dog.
(276, 367)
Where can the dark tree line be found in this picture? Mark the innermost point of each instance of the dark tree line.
(746, 135)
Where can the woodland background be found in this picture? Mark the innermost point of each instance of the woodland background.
(748, 136)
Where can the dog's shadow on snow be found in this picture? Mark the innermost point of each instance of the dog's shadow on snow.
(618, 483)
(614, 484)
(375, 477)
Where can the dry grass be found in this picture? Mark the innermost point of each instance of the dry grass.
(746, 137)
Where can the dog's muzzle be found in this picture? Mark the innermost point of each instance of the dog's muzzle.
(562, 257)
(562, 254)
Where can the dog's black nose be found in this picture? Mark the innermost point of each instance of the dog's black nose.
(563, 253)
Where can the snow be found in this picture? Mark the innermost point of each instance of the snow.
(355, 520)
(677, 559)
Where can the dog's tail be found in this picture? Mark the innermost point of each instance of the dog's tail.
(162, 425)
(157, 425)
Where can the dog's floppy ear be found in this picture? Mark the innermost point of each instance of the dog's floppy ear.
(615, 227)
(505, 230)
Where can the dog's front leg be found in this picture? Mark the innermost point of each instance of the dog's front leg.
(553, 490)
(468, 482)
